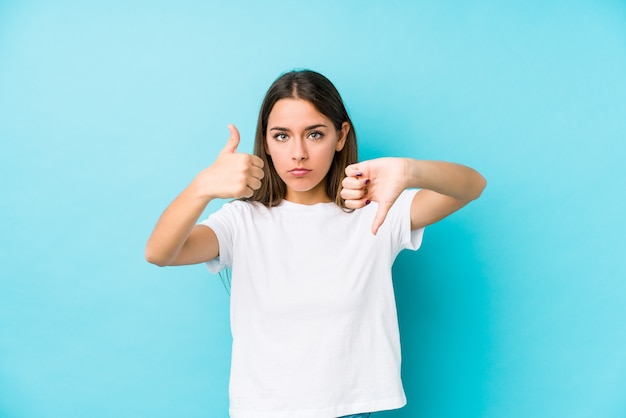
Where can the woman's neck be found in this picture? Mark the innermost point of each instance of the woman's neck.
(309, 197)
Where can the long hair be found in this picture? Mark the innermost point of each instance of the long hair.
(321, 93)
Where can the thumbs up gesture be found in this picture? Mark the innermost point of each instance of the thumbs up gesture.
(232, 175)
(380, 180)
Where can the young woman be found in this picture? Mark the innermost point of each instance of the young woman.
(311, 238)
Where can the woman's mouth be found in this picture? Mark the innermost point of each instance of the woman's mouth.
(299, 172)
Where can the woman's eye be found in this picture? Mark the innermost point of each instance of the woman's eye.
(280, 137)
(316, 135)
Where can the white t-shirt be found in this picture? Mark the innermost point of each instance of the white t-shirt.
(313, 314)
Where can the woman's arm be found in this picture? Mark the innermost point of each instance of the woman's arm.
(176, 239)
(446, 187)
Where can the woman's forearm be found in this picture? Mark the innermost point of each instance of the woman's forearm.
(174, 226)
(451, 179)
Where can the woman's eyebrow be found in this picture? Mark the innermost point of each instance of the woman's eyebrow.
(319, 125)
(308, 128)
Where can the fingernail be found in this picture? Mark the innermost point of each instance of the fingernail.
(358, 174)
(367, 181)
(367, 202)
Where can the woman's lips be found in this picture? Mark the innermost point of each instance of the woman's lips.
(299, 172)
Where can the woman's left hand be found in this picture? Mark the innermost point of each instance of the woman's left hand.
(380, 180)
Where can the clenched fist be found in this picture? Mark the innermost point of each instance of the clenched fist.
(232, 175)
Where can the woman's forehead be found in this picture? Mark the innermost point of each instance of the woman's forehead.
(295, 113)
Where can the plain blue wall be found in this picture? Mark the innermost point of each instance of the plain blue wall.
(514, 307)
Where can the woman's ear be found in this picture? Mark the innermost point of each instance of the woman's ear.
(343, 135)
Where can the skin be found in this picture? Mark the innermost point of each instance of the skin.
(446, 187)
(299, 137)
(176, 239)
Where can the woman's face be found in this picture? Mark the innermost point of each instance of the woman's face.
(302, 143)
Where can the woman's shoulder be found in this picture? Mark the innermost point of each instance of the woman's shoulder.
(236, 212)
(244, 206)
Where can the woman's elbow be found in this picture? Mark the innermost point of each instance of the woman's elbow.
(478, 185)
(155, 259)
(481, 186)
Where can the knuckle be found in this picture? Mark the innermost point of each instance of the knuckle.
(244, 165)
(243, 191)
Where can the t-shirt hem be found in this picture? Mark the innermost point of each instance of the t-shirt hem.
(333, 412)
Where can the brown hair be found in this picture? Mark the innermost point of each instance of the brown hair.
(321, 93)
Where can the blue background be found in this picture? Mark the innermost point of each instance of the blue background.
(514, 307)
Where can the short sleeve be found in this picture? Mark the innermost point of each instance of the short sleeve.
(400, 217)
(223, 223)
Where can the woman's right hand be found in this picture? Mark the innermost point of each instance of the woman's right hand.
(232, 175)
(176, 239)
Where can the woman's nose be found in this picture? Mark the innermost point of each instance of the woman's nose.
(299, 151)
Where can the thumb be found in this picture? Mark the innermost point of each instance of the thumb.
(381, 214)
(233, 141)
